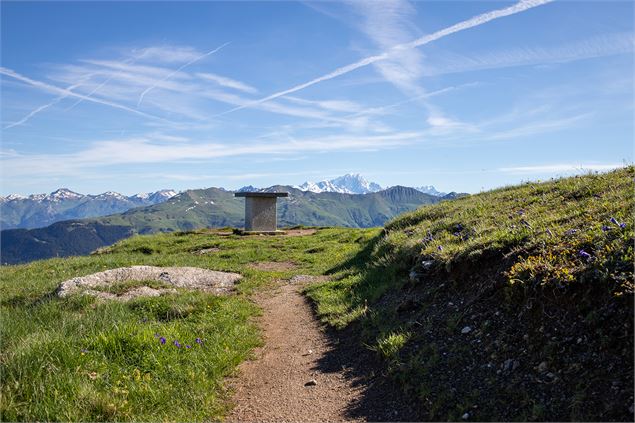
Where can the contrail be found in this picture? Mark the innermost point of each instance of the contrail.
(107, 80)
(67, 92)
(39, 109)
(62, 97)
(147, 90)
(521, 6)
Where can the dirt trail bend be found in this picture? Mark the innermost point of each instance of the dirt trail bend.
(278, 384)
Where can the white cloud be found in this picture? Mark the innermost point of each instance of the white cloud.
(346, 106)
(593, 47)
(180, 68)
(389, 23)
(167, 54)
(224, 81)
(143, 150)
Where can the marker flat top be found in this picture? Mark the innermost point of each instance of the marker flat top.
(261, 194)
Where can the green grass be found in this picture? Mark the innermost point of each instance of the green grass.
(545, 228)
(78, 358)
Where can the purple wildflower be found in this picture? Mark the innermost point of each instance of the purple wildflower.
(584, 255)
(177, 344)
(520, 212)
(622, 225)
(188, 346)
(606, 228)
(162, 340)
(571, 232)
(614, 221)
(457, 234)
(428, 238)
(440, 248)
(199, 341)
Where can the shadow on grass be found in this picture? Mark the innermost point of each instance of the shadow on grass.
(381, 398)
(358, 262)
(25, 301)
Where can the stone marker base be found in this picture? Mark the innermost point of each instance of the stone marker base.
(244, 232)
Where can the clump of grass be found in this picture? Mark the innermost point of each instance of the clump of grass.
(388, 346)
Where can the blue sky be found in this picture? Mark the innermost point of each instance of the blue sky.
(465, 96)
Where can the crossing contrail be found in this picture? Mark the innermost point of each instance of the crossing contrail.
(63, 96)
(521, 6)
(147, 90)
(66, 92)
(39, 109)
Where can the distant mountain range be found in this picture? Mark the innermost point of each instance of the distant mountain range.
(41, 210)
(212, 207)
(349, 184)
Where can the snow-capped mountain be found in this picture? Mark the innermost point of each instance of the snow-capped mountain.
(109, 195)
(249, 188)
(353, 184)
(161, 196)
(347, 184)
(63, 194)
(429, 189)
(38, 210)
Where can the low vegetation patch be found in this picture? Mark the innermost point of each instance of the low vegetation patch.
(517, 303)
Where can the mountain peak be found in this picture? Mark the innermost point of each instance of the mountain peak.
(249, 188)
(346, 184)
(63, 194)
(429, 189)
(12, 197)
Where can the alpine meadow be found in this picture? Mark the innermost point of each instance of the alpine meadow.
(317, 211)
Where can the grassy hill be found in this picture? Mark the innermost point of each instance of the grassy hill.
(515, 304)
(207, 208)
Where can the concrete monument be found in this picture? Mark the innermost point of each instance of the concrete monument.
(260, 211)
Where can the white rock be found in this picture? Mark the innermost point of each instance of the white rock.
(466, 329)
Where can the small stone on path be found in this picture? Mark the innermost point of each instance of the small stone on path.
(312, 382)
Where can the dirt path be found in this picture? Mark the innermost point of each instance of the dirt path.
(297, 351)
